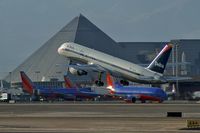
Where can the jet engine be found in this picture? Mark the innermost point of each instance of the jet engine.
(130, 99)
(77, 71)
(124, 82)
(99, 83)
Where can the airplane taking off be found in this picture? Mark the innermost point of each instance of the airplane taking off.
(102, 62)
(133, 93)
(65, 93)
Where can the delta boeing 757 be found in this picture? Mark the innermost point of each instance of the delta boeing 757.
(102, 62)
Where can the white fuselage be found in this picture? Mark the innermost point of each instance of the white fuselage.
(127, 70)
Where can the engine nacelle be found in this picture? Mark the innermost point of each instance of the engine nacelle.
(99, 83)
(131, 99)
(77, 72)
(124, 82)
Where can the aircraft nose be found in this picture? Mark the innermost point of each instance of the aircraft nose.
(60, 49)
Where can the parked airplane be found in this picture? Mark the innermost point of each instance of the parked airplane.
(133, 93)
(70, 93)
(102, 62)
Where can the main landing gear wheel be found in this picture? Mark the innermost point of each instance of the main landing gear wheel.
(143, 101)
(99, 82)
(133, 100)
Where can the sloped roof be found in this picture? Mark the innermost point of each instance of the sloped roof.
(91, 36)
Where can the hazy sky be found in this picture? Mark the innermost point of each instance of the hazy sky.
(25, 25)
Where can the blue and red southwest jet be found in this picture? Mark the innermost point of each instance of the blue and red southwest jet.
(99, 61)
(133, 93)
(65, 93)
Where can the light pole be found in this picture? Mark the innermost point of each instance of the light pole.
(176, 43)
(175, 63)
(10, 73)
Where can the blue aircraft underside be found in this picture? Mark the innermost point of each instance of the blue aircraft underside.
(67, 93)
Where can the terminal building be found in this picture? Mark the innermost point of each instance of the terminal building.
(46, 67)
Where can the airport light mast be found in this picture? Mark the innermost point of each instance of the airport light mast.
(175, 57)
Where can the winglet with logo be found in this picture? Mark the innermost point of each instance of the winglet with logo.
(159, 63)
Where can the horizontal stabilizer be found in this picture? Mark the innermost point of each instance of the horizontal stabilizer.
(173, 78)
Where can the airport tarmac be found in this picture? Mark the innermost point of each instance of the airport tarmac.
(96, 117)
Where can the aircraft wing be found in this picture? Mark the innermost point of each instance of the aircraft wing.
(152, 79)
(94, 68)
(165, 79)
(88, 67)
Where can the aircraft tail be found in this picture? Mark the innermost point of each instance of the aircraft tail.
(110, 84)
(159, 63)
(68, 83)
(27, 83)
(109, 79)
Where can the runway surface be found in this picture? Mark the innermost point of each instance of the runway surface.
(98, 118)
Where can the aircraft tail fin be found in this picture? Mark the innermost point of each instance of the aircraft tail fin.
(68, 83)
(159, 63)
(109, 79)
(27, 83)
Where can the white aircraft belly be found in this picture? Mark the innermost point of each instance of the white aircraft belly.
(123, 73)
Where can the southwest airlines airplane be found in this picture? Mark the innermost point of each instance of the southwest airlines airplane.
(133, 93)
(49, 93)
(102, 62)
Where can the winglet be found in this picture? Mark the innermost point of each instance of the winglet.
(26, 83)
(68, 83)
(159, 63)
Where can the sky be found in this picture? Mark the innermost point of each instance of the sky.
(25, 25)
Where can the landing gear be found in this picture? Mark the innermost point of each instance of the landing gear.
(124, 82)
(133, 100)
(143, 101)
(99, 82)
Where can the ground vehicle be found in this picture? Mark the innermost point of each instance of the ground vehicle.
(5, 97)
